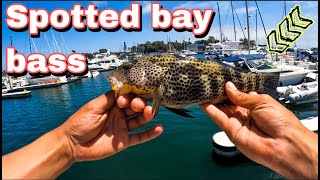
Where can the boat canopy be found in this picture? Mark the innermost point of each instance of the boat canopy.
(243, 57)
(232, 59)
(251, 56)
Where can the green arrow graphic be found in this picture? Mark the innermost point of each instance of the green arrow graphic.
(286, 31)
(303, 22)
(273, 34)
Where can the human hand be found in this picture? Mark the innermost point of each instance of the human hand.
(268, 133)
(100, 128)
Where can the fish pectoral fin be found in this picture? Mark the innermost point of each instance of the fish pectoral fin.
(156, 102)
(181, 112)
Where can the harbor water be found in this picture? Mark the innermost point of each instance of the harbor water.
(183, 151)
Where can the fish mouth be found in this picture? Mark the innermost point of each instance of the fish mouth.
(120, 88)
(115, 85)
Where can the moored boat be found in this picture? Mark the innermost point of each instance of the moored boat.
(11, 95)
(299, 94)
(224, 148)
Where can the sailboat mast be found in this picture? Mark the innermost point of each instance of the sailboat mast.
(256, 27)
(234, 25)
(219, 23)
(248, 26)
(30, 45)
(11, 41)
(169, 45)
(285, 8)
(9, 77)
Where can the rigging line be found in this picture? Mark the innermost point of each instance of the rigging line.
(264, 28)
(239, 22)
(65, 44)
(55, 41)
(45, 36)
(34, 45)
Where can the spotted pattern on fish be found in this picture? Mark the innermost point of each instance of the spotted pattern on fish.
(187, 81)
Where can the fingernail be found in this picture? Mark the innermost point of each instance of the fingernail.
(232, 86)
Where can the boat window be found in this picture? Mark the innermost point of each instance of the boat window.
(260, 64)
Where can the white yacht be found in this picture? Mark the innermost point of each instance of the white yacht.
(104, 61)
(188, 53)
(15, 82)
(289, 74)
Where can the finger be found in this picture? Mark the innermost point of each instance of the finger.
(120, 123)
(129, 112)
(138, 104)
(145, 136)
(102, 103)
(239, 98)
(229, 125)
(141, 119)
(219, 117)
(253, 93)
(124, 101)
(227, 109)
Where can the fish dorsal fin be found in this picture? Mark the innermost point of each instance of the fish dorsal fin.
(238, 69)
(156, 102)
(127, 65)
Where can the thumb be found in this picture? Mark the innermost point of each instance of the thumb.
(248, 101)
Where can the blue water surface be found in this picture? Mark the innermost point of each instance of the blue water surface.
(183, 151)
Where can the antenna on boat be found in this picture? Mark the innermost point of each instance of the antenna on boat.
(234, 25)
(248, 26)
(219, 23)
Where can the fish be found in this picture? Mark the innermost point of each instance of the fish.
(177, 82)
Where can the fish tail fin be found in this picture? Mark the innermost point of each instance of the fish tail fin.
(271, 83)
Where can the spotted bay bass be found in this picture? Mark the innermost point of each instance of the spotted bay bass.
(176, 82)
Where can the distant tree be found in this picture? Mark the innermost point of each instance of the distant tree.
(203, 41)
(4, 73)
(103, 50)
(124, 46)
(253, 43)
(245, 44)
(211, 39)
(134, 48)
